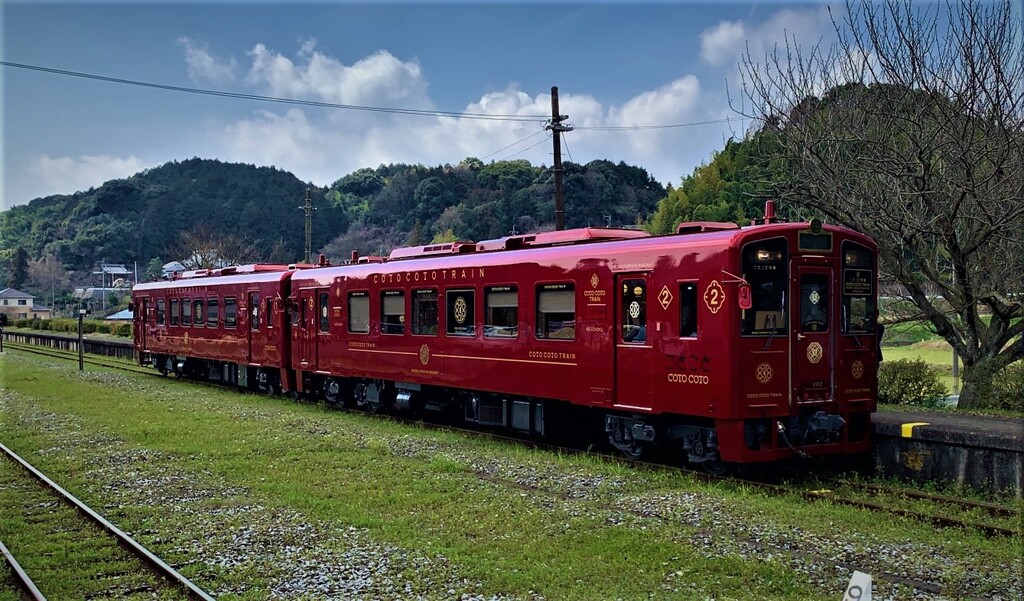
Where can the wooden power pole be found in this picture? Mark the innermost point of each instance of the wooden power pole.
(308, 208)
(557, 128)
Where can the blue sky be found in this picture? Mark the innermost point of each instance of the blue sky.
(616, 64)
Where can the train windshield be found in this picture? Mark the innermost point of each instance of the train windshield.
(766, 269)
(858, 290)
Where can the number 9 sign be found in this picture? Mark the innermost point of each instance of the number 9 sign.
(859, 588)
(714, 296)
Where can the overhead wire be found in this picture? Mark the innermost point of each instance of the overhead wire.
(643, 127)
(524, 150)
(520, 141)
(274, 99)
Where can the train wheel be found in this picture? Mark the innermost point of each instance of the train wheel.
(635, 452)
(332, 392)
(717, 467)
(630, 448)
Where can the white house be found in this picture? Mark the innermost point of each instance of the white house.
(20, 305)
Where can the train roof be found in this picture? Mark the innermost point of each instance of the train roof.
(258, 272)
(559, 245)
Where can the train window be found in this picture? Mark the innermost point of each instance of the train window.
(634, 311)
(230, 312)
(501, 312)
(173, 314)
(359, 312)
(765, 267)
(269, 312)
(323, 300)
(293, 313)
(186, 312)
(424, 312)
(858, 290)
(460, 318)
(161, 311)
(212, 312)
(688, 310)
(556, 311)
(392, 312)
(254, 311)
(197, 311)
(814, 302)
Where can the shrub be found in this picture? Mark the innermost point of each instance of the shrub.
(1009, 387)
(22, 323)
(102, 328)
(88, 327)
(36, 324)
(907, 382)
(123, 329)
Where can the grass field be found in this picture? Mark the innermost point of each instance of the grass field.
(455, 516)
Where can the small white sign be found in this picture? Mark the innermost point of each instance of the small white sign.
(859, 588)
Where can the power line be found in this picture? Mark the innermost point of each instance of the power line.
(275, 99)
(524, 150)
(643, 127)
(352, 107)
(513, 144)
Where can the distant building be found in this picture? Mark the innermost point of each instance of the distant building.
(21, 305)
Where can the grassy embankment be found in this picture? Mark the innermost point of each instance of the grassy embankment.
(439, 494)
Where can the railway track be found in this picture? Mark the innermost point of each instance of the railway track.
(52, 509)
(95, 360)
(817, 494)
(835, 494)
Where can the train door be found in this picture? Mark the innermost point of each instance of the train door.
(323, 323)
(813, 329)
(140, 321)
(304, 328)
(255, 326)
(633, 349)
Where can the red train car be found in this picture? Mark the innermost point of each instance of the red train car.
(225, 325)
(726, 344)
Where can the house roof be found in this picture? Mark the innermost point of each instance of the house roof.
(12, 293)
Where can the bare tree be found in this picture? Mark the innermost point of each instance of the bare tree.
(911, 129)
(49, 273)
(202, 247)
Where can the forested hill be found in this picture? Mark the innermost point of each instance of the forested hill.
(144, 216)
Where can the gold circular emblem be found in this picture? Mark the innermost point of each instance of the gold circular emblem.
(764, 373)
(424, 354)
(857, 370)
(460, 310)
(814, 352)
(594, 281)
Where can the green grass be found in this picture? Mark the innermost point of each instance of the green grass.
(423, 491)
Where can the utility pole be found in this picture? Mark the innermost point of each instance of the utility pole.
(557, 128)
(308, 208)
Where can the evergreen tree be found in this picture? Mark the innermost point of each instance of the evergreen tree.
(17, 271)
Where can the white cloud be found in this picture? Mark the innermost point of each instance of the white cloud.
(203, 67)
(323, 148)
(63, 175)
(718, 45)
(377, 80)
(728, 41)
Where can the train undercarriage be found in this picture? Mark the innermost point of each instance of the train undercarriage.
(696, 440)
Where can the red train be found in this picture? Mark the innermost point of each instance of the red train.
(727, 344)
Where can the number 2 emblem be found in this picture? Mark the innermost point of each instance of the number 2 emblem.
(714, 296)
